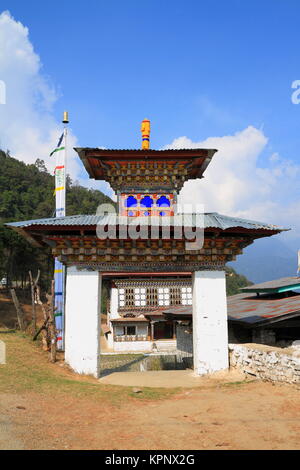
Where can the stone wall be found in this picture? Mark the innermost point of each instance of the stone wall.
(266, 362)
(264, 336)
(142, 362)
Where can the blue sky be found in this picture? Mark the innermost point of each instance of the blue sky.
(200, 70)
(195, 68)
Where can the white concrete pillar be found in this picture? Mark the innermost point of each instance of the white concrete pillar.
(83, 321)
(113, 313)
(210, 334)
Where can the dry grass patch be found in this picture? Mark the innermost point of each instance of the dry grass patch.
(28, 370)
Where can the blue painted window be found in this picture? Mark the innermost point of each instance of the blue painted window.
(131, 213)
(147, 201)
(163, 201)
(162, 213)
(131, 202)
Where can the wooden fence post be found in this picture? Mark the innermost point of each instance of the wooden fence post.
(20, 314)
(34, 287)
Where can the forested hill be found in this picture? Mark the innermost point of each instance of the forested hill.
(26, 192)
(235, 281)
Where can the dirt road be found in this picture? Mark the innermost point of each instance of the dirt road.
(46, 406)
(8, 439)
(250, 416)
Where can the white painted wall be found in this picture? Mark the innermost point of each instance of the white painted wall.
(210, 336)
(82, 317)
(140, 329)
(133, 346)
(110, 339)
(113, 313)
(165, 345)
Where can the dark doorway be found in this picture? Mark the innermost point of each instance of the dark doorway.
(163, 330)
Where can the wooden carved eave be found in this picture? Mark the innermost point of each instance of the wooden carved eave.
(78, 245)
(145, 254)
(151, 169)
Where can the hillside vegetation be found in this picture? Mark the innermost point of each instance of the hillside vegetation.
(235, 281)
(26, 192)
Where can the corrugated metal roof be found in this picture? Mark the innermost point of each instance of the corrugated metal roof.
(250, 309)
(184, 310)
(210, 220)
(278, 285)
(130, 319)
(144, 151)
(59, 221)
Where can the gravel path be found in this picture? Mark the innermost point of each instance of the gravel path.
(8, 440)
(169, 378)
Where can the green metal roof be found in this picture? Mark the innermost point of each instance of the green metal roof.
(284, 284)
(207, 220)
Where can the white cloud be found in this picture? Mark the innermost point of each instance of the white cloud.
(234, 183)
(27, 125)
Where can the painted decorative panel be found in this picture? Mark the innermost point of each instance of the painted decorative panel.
(143, 205)
(136, 295)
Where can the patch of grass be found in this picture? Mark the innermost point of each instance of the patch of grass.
(29, 370)
(237, 383)
(149, 393)
(129, 356)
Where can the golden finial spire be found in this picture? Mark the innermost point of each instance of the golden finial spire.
(145, 129)
(65, 117)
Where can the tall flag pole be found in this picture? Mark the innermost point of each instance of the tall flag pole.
(60, 211)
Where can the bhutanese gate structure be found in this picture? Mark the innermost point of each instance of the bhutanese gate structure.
(147, 271)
